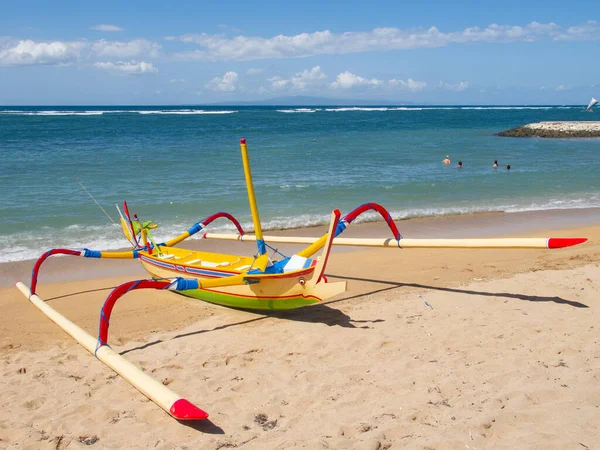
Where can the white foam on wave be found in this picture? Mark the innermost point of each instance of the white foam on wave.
(184, 111)
(99, 113)
(591, 201)
(287, 111)
(61, 113)
(56, 113)
(310, 220)
(25, 246)
(298, 110)
(505, 107)
(355, 108)
(435, 108)
(297, 186)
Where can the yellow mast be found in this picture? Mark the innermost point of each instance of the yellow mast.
(252, 199)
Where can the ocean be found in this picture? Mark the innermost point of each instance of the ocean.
(176, 165)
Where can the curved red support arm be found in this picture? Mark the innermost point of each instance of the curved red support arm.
(200, 225)
(348, 218)
(218, 215)
(41, 259)
(118, 292)
(86, 253)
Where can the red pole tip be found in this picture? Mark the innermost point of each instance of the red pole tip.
(242, 141)
(184, 410)
(564, 242)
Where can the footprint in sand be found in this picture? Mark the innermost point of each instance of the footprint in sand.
(33, 404)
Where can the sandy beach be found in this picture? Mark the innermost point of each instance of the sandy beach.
(428, 349)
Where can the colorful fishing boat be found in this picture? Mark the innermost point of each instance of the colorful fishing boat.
(252, 282)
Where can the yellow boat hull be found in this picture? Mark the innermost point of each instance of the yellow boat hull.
(262, 291)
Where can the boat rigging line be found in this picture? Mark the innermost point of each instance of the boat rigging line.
(99, 206)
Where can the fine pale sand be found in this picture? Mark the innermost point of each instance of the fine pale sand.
(427, 349)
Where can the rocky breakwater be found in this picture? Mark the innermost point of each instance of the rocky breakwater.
(555, 130)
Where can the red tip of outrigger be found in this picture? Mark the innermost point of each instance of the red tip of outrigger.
(564, 242)
(242, 141)
(184, 410)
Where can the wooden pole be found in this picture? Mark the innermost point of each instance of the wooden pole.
(416, 243)
(172, 403)
(252, 199)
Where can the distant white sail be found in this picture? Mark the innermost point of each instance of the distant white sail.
(593, 101)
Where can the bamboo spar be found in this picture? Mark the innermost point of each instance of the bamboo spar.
(252, 199)
(172, 403)
(548, 243)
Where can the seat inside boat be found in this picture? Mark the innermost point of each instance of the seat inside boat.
(205, 259)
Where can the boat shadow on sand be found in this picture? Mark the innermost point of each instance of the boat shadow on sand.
(320, 313)
(323, 313)
(396, 284)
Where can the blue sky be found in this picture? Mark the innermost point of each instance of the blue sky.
(191, 52)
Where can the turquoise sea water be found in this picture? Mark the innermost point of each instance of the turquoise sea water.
(177, 165)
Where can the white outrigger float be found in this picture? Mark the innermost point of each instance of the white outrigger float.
(251, 282)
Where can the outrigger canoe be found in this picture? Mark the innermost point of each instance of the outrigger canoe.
(252, 282)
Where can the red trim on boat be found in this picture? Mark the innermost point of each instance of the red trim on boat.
(293, 274)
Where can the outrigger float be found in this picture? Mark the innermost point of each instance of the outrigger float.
(251, 282)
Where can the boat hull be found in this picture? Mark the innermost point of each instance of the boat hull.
(261, 292)
(248, 302)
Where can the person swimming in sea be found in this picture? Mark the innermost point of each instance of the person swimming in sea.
(446, 161)
(508, 167)
(495, 164)
(459, 166)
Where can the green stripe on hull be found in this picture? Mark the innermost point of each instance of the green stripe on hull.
(264, 303)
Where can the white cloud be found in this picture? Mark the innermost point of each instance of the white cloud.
(278, 82)
(505, 33)
(589, 31)
(127, 49)
(29, 52)
(127, 68)
(348, 80)
(461, 86)
(562, 87)
(307, 78)
(176, 80)
(228, 83)
(220, 47)
(300, 81)
(252, 71)
(409, 84)
(106, 27)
